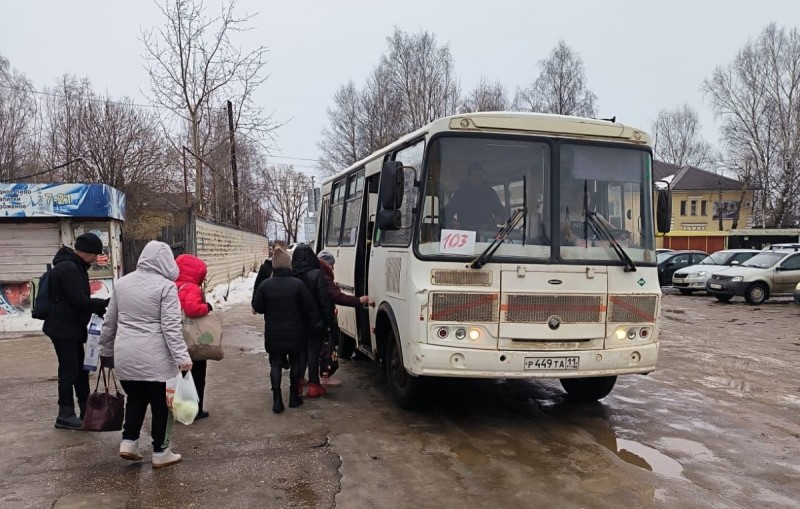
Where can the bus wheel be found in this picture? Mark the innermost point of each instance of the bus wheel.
(406, 390)
(589, 389)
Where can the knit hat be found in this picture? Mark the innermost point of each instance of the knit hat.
(281, 259)
(89, 243)
(326, 257)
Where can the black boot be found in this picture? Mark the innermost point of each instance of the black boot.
(277, 401)
(67, 419)
(295, 399)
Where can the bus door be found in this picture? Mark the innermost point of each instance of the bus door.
(366, 316)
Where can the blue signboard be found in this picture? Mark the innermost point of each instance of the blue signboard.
(61, 200)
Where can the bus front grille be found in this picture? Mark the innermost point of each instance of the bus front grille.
(464, 307)
(632, 308)
(529, 308)
(450, 277)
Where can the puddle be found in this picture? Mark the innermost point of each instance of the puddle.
(643, 457)
(688, 447)
(470, 455)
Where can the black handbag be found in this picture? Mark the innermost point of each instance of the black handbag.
(105, 410)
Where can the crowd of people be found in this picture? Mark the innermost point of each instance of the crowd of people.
(142, 337)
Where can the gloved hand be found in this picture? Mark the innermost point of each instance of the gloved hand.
(210, 308)
(107, 362)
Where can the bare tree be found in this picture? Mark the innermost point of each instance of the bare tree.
(285, 190)
(422, 72)
(561, 86)
(194, 65)
(486, 97)
(341, 142)
(757, 99)
(413, 84)
(17, 116)
(678, 140)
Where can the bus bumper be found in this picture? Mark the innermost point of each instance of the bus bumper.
(431, 360)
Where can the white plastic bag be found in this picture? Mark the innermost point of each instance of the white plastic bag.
(185, 401)
(91, 357)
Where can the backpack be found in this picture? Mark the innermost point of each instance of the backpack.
(41, 296)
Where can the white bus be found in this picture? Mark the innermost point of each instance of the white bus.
(501, 245)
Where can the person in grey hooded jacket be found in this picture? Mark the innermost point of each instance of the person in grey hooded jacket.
(142, 337)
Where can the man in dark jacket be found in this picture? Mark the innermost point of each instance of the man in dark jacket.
(71, 308)
(307, 268)
(289, 312)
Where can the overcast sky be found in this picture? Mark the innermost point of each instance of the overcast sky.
(639, 57)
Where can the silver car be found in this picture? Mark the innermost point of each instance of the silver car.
(767, 274)
(694, 278)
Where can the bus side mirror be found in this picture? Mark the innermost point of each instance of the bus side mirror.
(392, 184)
(663, 210)
(389, 219)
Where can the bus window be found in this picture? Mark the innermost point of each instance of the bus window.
(409, 156)
(335, 216)
(611, 184)
(352, 214)
(476, 184)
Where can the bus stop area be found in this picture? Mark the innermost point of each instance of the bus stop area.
(715, 426)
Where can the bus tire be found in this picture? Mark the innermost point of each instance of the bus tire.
(406, 390)
(585, 390)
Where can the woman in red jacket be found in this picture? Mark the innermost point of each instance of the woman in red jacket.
(193, 271)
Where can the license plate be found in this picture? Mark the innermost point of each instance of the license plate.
(714, 286)
(534, 363)
(677, 280)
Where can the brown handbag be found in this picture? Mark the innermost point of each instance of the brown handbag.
(104, 411)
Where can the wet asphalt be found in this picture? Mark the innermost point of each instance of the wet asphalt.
(715, 426)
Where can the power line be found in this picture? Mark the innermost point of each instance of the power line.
(91, 99)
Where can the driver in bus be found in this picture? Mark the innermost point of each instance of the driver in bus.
(474, 205)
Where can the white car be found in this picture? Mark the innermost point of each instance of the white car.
(694, 278)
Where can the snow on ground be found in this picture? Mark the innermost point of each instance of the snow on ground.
(238, 291)
(22, 322)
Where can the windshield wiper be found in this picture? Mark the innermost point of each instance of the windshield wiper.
(501, 236)
(593, 219)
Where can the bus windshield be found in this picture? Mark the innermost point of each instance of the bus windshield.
(474, 184)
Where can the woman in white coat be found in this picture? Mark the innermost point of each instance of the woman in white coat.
(142, 338)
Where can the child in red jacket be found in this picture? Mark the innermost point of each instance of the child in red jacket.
(192, 272)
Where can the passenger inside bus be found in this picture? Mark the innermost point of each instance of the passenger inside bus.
(474, 205)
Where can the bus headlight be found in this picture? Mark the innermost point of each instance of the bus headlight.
(631, 333)
(621, 333)
(461, 334)
(474, 334)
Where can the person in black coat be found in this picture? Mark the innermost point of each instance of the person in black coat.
(307, 268)
(71, 308)
(288, 311)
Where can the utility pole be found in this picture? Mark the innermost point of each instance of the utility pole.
(234, 171)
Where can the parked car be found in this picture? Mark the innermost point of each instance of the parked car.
(663, 250)
(694, 278)
(787, 245)
(672, 261)
(767, 274)
(796, 294)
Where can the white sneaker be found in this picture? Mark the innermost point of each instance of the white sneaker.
(165, 458)
(129, 449)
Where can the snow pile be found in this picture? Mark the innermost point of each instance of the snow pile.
(238, 291)
(20, 322)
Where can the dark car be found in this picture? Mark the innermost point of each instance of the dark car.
(672, 261)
